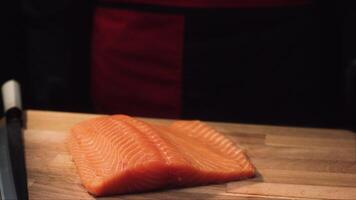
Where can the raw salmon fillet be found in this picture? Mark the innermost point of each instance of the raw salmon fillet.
(120, 154)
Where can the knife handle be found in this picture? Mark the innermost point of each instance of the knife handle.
(11, 94)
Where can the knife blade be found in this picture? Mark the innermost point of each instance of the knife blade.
(14, 122)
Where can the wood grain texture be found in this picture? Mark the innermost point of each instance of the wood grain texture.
(292, 190)
(293, 163)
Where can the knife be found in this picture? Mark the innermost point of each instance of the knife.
(7, 184)
(13, 169)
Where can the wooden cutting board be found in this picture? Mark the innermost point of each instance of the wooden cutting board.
(293, 163)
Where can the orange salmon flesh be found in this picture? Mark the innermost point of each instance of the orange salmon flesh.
(119, 154)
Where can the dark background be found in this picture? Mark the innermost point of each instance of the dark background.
(46, 45)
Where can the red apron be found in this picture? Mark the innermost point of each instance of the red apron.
(137, 54)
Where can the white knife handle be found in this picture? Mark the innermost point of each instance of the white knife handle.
(11, 94)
